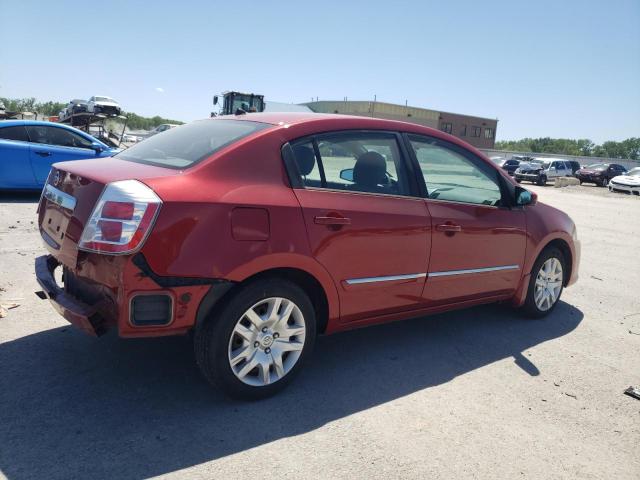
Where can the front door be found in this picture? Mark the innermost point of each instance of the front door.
(478, 245)
(55, 144)
(366, 225)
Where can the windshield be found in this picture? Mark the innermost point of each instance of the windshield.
(104, 99)
(597, 166)
(634, 171)
(186, 145)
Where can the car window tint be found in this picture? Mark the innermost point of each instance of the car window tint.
(57, 136)
(451, 176)
(18, 133)
(358, 162)
(186, 145)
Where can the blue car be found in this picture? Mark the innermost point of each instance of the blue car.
(29, 148)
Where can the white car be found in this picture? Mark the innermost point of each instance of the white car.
(541, 169)
(628, 182)
(101, 104)
(162, 128)
(130, 138)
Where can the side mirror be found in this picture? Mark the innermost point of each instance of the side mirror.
(347, 174)
(525, 197)
(215, 99)
(97, 147)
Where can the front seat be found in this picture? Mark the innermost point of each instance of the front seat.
(369, 173)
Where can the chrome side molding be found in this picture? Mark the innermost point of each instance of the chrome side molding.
(474, 270)
(410, 276)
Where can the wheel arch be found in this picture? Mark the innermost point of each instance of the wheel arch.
(567, 254)
(324, 305)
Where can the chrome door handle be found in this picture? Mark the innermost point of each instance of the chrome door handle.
(448, 228)
(332, 220)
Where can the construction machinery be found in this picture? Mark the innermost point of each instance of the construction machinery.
(235, 103)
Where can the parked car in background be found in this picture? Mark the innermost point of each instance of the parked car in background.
(242, 231)
(101, 104)
(540, 169)
(130, 138)
(627, 182)
(599, 173)
(575, 166)
(162, 128)
(510, 166)
(74, 106)
(28, 149)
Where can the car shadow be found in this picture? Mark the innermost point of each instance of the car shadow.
(27, 196)
(73, 406)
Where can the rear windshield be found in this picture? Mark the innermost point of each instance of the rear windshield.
(186, 145)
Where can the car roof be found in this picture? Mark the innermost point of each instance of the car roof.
(12, 123)
(327, 122)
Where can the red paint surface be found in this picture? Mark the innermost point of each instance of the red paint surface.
(234, 215)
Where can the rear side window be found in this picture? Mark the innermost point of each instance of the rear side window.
(355, 162)
(18, 133)
(186, 145)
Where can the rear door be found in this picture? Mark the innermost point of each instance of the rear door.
(366, 224)
(15, 164)
(52, 144)
(478, 245)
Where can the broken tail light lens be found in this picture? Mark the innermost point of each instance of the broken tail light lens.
(122, 218)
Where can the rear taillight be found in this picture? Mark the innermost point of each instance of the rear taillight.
(122, 218)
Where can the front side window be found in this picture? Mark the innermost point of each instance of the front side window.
(355, 162)
(452, 176)
(56, 136)
(18, 133)
(186, 145)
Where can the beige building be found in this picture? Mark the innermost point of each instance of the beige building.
(479, 132)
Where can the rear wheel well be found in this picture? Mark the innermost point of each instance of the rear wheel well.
(566, 253)
(304, 280)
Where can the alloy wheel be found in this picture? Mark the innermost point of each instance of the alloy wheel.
(267, 341)
(548, 284)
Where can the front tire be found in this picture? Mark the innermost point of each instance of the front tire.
(259, 339)
(546, 283)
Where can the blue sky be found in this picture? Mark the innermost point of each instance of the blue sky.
(544, 68)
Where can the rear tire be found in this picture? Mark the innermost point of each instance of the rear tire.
(545, 284)
(257, 342)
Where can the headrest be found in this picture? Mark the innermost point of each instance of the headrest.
(305, 158)
(370, 169)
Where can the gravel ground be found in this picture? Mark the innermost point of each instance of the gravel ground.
(480, 393)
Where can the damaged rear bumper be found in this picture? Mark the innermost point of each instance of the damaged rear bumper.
(84, 316)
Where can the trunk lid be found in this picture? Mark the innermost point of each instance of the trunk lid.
(71, 192)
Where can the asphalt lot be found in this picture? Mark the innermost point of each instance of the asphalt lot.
(481, 393)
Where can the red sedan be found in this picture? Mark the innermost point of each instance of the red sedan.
(257, 232)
